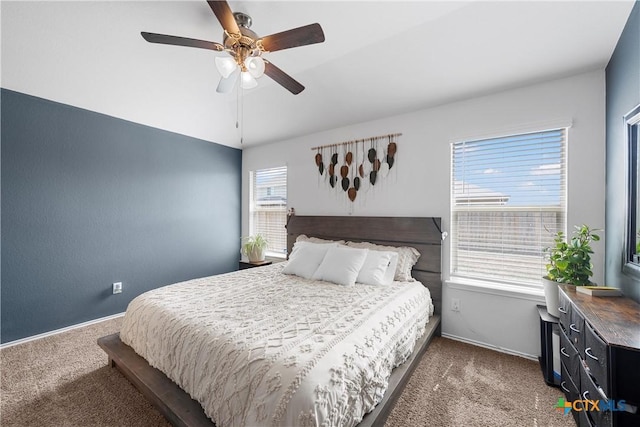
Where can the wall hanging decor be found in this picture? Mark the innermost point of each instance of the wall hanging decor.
(354, 167)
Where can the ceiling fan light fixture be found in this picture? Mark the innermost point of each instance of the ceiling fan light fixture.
(225, 65)
(226, 84)
(255, 66)
(247, 81)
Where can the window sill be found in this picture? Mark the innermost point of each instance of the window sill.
(494, 288)
(632, 270)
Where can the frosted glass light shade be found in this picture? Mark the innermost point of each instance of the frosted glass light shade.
(225, 65)
(226, 84)
(247, 81)
(255, 66)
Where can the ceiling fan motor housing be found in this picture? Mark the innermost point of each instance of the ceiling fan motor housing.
(242, 19)
(245, 44)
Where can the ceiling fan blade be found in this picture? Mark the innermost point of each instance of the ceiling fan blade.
(226, 85)
(224, 14)
(282, 78)
(181, 41)
(301, 36)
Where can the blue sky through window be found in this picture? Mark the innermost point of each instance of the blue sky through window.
(518, 170)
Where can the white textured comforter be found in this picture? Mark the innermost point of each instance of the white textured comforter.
(261, 348)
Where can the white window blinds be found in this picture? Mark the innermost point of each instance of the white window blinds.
(508, 199)
(268, 208)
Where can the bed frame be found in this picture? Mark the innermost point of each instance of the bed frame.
(423, 233)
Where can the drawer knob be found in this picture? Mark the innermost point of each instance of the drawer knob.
(566, 390)
(587, 351)
(564, 352)
(585, 395)
(562, 310)
(573, 328)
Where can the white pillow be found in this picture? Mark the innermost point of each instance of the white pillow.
(305, 258)
(390, 274)
(341, 265)
(407, 258)
(374, 270)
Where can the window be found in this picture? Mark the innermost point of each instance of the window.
(632, 130)
(268, 208)
(507, 202)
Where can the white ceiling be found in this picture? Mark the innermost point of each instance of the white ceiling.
(380, 58)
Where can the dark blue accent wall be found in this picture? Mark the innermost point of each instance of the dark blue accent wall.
(623, 94)
(89, 199)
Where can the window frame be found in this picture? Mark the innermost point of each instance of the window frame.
(506, 284)
(252, 207)
(631, 123)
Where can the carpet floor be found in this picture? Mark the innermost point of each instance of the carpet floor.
(64, 380)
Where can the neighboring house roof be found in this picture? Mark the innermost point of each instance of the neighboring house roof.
(465, 194)
(272, 200)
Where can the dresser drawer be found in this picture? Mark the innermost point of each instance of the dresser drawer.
(576, 330)
(565, 310)
(584, 420)
(567, 385)
(569, 356)
(569, 388)
(589, 391)
(597, 357)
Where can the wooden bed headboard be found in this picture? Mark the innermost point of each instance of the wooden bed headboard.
(422, 233)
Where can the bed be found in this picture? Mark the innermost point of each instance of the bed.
(259, 347)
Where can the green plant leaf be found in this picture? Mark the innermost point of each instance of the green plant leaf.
(570, 262)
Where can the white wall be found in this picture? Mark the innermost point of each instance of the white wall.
(419, 184)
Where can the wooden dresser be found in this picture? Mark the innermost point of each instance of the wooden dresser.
(600, 354)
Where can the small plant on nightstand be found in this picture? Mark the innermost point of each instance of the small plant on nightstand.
(253, 247)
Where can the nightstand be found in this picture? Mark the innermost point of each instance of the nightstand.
(548, 324)
(244, 264)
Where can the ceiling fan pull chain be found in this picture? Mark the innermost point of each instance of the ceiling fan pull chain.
(240, 111)
(237, 105)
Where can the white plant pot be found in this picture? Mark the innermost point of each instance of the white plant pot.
(551, 296)
(256, 255)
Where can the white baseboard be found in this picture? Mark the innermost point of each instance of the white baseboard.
(59, 331)
(491, 347)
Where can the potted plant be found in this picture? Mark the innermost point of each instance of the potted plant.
(253, 247)
(569, 263)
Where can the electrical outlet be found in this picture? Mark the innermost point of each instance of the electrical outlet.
(455, 304)
(117, 288)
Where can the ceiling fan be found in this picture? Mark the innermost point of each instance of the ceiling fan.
(245, 49)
